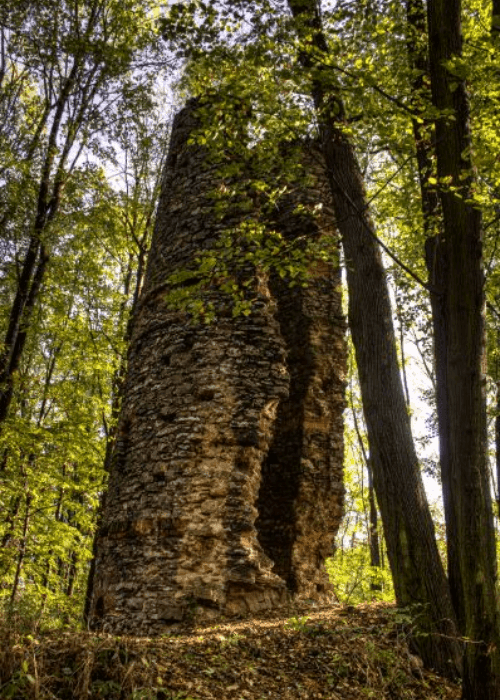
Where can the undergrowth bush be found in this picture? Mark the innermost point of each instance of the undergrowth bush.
(355, 581)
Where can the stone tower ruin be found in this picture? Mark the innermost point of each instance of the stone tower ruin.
(226, 490)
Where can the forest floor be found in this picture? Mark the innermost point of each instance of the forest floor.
(305, 652)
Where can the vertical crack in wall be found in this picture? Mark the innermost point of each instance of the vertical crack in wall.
(301, 495)
(226, 491)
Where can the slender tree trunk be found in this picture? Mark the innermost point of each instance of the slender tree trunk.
(15, 321)
(399, 316)
(497, 443)
(70, 587)
(10, 521)
(373, 537)
(463, 309)
(495, 18)
(436, 267)
(495, 33)
(19, 321)
(36, 259)
(416, 567)
(22, 548)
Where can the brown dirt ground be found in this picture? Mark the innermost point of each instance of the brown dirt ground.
(300, 652)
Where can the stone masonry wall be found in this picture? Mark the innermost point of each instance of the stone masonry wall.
(226, 488)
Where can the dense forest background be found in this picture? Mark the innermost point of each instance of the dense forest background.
(87, 94)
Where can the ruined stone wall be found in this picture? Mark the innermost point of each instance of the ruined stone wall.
(226, 488)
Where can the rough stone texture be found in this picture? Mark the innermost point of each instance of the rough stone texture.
(226, 490)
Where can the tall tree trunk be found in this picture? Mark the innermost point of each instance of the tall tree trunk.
(495, 33)
(70, 586)
(399, 317)
(436, 267)
(22, 547)
(37, 257)
(497, 441)
(10, 521)
(419, 578)
(463, 308)
(19, 323)
(495, 18)
(373, 537)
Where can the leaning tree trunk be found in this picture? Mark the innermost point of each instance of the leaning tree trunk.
(36, 258)
(462, 283)
(419, 578)
(22, 309)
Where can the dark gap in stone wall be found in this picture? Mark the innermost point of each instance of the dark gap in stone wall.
(281, 469)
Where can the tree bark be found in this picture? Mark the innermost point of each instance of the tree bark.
(419, 578)
(497, 443)
(79, 87)
(35, 261)
(372, 515)
(22, 547)
(436, 268)
(10, 522)
(495, 18)
(17, 333)
(373, 537)
(463, 318)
